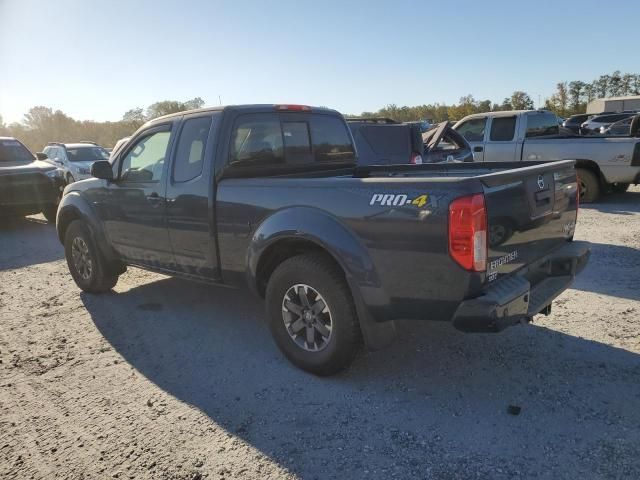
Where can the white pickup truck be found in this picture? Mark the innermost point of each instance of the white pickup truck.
(603, 163)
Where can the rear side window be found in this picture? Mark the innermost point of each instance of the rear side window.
(190, 150)
(502, 129)
(331, 139)
(257, 139)
(541, 125)
(473, 130)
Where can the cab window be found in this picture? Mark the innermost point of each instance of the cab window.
(257, 139)
(473, 130)
(144, 162)
(189, 157)
(540, 125)
(502, 129)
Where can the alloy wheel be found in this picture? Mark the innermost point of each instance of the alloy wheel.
(307, 317)
(81, 258)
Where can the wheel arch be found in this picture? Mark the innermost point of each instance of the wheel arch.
(74, 207)
(592, 166)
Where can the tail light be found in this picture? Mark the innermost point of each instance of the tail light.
(468, 232)
(416, 159)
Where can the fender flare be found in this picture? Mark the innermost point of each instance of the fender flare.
(73, 207)
(321, 228)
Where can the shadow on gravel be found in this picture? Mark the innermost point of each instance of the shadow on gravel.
(612, 270)
(28, 241)
(434, 405)
(620, 203)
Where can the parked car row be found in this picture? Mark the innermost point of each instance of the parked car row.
(603, 163)
(592, 124)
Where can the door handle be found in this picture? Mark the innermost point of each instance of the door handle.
(154, 198)
(478, 149)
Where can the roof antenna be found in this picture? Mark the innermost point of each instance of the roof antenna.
(220, 99)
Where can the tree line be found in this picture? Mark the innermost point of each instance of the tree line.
(42, 124)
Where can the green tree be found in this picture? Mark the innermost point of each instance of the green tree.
(576, 90)
(615, 84)
(521, 101)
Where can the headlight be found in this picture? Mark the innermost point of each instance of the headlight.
(55, 173)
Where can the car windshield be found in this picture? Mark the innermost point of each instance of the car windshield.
(14, 151)
(87, 154)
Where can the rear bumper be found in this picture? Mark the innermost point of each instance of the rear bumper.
(523, 295)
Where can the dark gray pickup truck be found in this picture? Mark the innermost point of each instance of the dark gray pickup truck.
(270, 196)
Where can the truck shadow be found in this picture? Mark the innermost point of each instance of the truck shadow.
(626, 203)
(612, 270)
(28, 241)
(434, 392)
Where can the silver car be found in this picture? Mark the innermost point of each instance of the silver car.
(75, 158)
(621, 128)
(593, 125)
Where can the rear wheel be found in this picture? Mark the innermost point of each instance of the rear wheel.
(589, 185)
(311, 314)
(86, 264)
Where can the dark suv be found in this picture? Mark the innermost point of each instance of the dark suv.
(27, 184)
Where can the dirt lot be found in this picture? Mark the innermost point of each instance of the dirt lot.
(167, 379)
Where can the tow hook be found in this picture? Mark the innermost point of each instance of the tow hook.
(546, 310)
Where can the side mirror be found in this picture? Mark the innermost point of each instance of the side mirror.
(102, 169)
(41, 156)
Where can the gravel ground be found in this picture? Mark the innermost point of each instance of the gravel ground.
(168, 379)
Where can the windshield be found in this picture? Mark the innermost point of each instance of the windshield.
(14, 151)
(87, 154)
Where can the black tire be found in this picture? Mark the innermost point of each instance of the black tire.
(589, 186)
(619, 187)
(322, 276)
(50, 212)
(93, 278)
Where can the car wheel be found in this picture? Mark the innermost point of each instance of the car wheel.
(312, 316)
(86, 264)
(589, 185)
(70, 179)
(50, 211)
(619, 187)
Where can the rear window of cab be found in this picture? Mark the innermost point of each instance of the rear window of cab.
(282, 139)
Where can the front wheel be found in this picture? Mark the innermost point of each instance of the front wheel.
(86, 264)
(312, 316)
(589, 185)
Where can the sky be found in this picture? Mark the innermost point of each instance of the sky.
(96, 59)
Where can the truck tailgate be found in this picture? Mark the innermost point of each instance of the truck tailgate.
(531, 211)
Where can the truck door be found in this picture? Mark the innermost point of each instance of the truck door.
(134, 209)
(190, 185)
(473, 130)
(501, 144)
